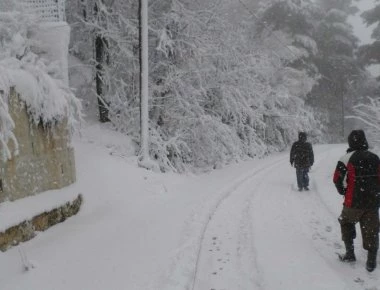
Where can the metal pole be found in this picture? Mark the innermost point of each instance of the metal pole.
(144, 111)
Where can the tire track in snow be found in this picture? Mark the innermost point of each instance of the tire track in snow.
(285, 236)
(308, 221)
(246, 228)
(326, 237)
(239, 187)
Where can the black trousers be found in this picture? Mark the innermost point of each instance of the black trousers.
(302, 177)
(369, 226)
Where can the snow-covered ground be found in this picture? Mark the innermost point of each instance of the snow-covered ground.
(241, 227)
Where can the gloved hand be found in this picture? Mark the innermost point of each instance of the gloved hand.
(342, 192)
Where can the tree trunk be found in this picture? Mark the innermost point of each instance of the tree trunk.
(100, 50)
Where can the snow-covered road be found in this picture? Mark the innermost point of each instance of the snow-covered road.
(243, 227)
(228, 258)
(264, 234)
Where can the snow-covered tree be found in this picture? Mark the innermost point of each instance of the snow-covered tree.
(367, 114)
(286, 34)
(370, 54)
(211, 83)
(336, 63)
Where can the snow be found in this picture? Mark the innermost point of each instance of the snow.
(47, 10)
(241, 227)
(33, 60)
(53, 42)
(14, 213)
(308, 43)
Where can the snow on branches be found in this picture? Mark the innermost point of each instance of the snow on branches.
(47, 98)
(368, 113)
(209, 80)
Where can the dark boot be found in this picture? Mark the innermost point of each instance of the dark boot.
(349, 256)
(371, 260)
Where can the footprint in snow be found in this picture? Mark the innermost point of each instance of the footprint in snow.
(337, 245)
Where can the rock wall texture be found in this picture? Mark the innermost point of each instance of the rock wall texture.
(45, 160)
(29, 228)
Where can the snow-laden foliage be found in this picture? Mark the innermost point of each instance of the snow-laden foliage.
(294, 6)
(336, 15)
(372, 16)
(118, 30)
(368, 112)
(6, 127)
(336, 64)
(47, 99)
(317, 41)
(307, 42)
(283, 46)
(216, 96)
(343, 28)
(221, 89)
(370, 53)
(347, 6)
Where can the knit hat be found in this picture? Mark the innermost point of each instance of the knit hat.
(357, 140)
(302, 136)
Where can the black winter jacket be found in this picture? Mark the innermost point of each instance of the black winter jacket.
(357, 175)
(301, 154)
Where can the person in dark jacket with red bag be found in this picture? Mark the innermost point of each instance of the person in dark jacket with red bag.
(302, 158)
(357, 178)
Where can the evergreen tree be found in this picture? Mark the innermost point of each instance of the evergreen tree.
(285, 31)
(370, 54)
(287, 27)
(336, 64)
(366, 110)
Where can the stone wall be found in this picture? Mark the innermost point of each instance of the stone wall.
(28, 229)
(45, 160)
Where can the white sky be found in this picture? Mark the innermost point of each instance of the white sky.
(361, 30)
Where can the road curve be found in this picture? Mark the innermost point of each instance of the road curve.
(264, 235)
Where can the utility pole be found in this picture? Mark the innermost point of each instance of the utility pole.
(144, 91)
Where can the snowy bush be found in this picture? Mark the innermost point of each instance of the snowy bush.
(47, 99)
(368, 113)
(211, 82)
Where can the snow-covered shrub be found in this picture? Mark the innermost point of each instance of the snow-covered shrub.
(368, 113)
(222, 93)
(211, 83)
(47, 99)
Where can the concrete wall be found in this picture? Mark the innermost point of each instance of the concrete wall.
(45, 160)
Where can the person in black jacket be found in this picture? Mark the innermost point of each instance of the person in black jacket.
(302, 158)
(357, 178)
